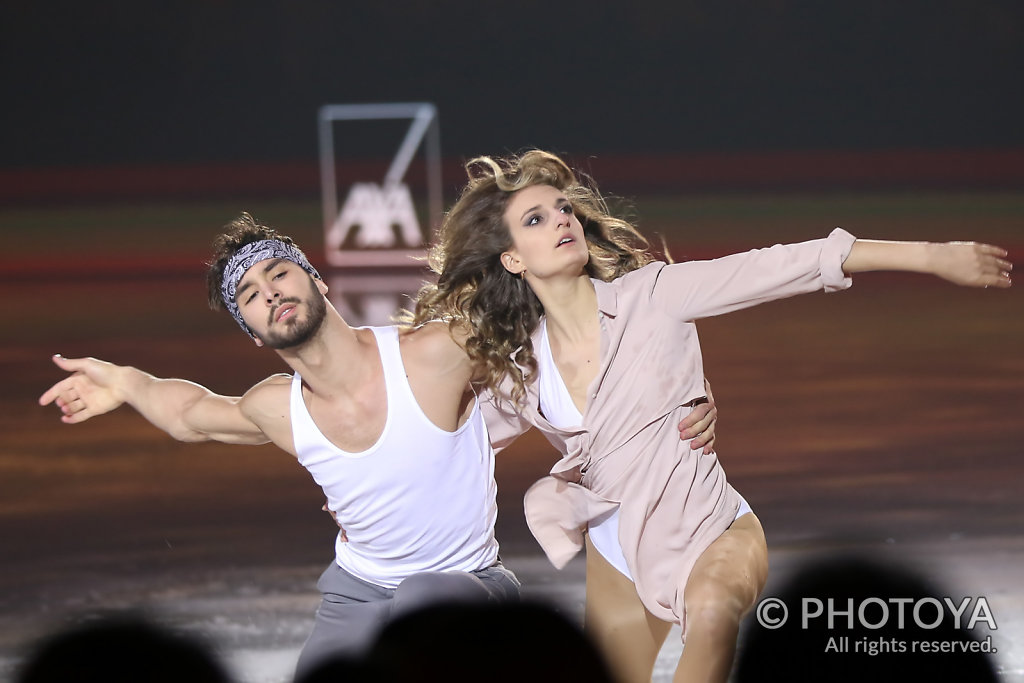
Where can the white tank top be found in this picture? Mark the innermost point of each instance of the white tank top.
(420, 499)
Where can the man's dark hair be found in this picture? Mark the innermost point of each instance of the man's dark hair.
(242, 231)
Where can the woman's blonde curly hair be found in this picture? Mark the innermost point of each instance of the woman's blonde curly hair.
(496, 310)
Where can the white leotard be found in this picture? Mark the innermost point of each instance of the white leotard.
(559, 409)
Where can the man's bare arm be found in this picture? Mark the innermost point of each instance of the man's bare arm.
(183, 409)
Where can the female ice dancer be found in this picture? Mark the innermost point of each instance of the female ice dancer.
(589, 338)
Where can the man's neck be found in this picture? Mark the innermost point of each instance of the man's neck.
(336, 362)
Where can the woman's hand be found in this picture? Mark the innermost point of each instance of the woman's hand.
(971, 264)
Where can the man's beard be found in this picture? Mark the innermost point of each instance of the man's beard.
(292, 334)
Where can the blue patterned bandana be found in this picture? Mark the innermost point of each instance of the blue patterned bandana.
(248, 256)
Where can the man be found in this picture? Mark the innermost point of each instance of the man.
(387, 424)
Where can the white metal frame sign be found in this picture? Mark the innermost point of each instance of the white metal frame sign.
(380, 212)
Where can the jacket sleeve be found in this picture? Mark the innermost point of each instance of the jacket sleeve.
(700, 289)
(504, 425)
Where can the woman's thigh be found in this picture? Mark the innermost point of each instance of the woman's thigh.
(617, 621)
(731, 573)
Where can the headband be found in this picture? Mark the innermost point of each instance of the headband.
(244, 259)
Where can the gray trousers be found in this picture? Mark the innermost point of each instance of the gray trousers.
(352, 611)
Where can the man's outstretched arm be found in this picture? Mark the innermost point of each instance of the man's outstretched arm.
(183, 409)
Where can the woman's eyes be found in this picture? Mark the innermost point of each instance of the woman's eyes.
(535, 219)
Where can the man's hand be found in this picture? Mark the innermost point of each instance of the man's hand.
(91, 390)
(699, 425)
(334, 516)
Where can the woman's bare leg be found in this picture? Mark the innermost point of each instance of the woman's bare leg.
(722, 587)
(629, 636)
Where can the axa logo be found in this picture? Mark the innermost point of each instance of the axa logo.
(381, 216)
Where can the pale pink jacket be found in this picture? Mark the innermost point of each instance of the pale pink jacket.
(674, 502)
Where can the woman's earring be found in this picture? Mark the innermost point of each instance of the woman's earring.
(522, 274)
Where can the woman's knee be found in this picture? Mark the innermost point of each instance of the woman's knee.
(715, 611)
(718, 596)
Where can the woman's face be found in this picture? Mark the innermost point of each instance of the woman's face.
(547, 238)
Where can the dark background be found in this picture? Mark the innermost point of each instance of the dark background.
(197, 81)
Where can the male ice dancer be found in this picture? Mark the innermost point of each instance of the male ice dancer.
(386, 423)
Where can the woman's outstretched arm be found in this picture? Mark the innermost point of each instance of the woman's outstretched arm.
(964, 263)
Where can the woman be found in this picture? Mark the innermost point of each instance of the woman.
(592, 340)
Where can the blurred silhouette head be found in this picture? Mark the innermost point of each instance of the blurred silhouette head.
(506, 642)
(123, 648)
(869, 645)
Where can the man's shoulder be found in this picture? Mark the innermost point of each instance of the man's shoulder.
(431, 353)
(270, 396)
(272, 383)
(429, 342)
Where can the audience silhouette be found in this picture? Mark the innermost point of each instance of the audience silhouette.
(871, 641)
(121, 648)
